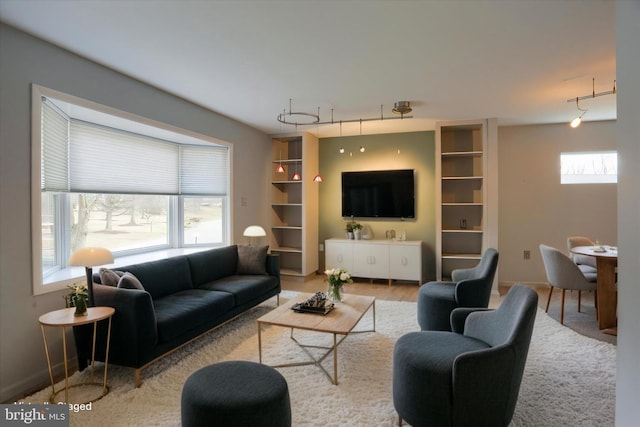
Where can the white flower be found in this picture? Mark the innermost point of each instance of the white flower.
(344, 276)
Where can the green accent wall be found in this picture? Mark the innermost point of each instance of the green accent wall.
(414, 150)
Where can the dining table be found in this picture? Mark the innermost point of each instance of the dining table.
(607, 294)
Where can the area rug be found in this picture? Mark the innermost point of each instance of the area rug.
(569, 379)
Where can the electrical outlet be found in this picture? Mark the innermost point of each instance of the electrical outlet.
(527, 254)
(321, 247)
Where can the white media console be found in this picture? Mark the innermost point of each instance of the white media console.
(377, 259)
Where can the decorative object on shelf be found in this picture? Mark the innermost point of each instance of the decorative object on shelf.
(576, 122)
(299, 118)
(78, 298)
(254, 231)
(336, 278)
(353, 230)
(88, 258)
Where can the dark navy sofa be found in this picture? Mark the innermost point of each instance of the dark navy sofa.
(183, 297)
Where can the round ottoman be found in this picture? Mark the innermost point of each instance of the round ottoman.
(236, 393)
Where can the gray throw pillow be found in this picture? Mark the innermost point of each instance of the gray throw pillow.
(252, 259)
(129, 281)
(110, 277)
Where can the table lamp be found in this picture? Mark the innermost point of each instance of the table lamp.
(87, 258)
(253, 231)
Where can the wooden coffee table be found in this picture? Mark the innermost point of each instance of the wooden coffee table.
(341, 321)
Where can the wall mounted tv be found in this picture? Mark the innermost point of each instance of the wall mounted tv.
(378, 194)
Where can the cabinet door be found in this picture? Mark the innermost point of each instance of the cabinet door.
(405, 262)
(371, 260)
(338, 255)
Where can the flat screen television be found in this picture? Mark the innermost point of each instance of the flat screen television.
(378, 194)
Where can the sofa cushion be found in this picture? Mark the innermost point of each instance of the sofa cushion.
(163, 277)
(243, 288)
(252, 259)
(181, 311)
(129, 281)
(109, 277)
(213, 264)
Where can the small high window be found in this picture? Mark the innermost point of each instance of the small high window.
(594, 167)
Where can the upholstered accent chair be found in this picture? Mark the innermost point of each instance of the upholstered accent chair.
(470, 376)
(470, 287)
(564, 274)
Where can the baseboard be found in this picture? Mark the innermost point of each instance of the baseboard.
(537, 285)
(35, 382)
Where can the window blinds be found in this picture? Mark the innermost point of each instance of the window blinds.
(106, 160)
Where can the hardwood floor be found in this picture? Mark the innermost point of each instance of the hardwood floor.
(583, 322)
(398, 291)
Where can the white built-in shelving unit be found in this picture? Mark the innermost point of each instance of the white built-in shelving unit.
(465, 213)
(294, 204)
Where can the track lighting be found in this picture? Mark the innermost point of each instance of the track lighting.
(576, 122)
(299, 118)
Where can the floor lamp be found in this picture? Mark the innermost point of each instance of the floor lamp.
(254, 231)
(88, 258)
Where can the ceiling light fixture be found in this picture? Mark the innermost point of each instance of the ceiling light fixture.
(576, 122)
(298, 118)
(402, 108)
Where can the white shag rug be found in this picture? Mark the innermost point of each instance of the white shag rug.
(569, 379)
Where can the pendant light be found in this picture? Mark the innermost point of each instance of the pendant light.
(318, 177)
(280, 168)
(296, 175)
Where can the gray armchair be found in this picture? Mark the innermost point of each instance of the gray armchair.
(469, 287)
(470, 376)
(563, 273)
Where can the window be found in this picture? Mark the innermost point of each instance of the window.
(110, 179)
(589, 167)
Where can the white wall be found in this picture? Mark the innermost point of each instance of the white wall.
(535, 208)
(628, 75)
(25, 60)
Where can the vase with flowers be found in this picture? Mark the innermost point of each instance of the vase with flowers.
(78, 298)
(336, 278)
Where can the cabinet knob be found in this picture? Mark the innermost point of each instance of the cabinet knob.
(403, 260)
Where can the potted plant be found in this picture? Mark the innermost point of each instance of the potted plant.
(357, 230)
(353, 229)
(78, 298)
(349, 228)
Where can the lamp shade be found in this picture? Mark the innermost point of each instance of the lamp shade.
(254, 231)
(90, 257)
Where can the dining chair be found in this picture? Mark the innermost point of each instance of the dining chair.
(587, 264)
(564, 274)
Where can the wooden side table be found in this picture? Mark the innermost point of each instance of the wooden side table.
(65, 318)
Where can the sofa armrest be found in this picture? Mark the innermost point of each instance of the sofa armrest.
(273, 265)
(134, 329)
